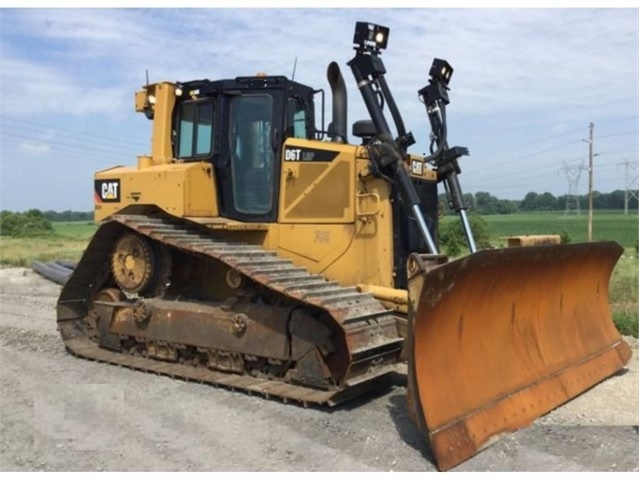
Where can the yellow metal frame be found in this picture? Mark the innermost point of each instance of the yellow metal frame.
(335, 217)
(180, 189)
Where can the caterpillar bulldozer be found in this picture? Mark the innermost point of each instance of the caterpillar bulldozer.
(255, 249)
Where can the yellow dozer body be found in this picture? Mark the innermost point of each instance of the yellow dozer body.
(254, 249)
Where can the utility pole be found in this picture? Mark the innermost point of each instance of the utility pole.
(590, 168)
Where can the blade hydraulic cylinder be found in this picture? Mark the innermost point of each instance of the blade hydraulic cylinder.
(368, 69)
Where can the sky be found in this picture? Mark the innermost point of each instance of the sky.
(526, 85)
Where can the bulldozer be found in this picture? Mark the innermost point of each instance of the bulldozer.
(257, 248)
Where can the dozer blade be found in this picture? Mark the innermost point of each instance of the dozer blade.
(502, 337)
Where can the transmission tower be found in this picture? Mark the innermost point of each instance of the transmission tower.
(573, 173)
(631, 184)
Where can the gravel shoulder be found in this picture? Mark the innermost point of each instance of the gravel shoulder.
(60, 413)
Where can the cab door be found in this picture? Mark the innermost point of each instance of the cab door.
(249, 178)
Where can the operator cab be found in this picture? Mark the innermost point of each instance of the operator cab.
(240, 126)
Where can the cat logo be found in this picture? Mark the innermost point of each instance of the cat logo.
(107, 191)
(417, 168)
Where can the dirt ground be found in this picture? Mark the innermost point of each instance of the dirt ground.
(59, 413)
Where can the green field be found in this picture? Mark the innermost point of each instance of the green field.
(606, 225)
(74, 229)
(67, 242)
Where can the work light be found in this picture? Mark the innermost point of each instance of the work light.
(441, 71)
(369, 36)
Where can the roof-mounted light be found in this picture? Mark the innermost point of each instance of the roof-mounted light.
(369, 36)
(441, 71)
(437, 88)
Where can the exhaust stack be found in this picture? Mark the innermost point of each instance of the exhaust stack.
(338, 127)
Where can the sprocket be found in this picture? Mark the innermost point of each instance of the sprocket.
(139, 266)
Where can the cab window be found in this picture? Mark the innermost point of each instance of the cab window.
(296, 119)
(195, 129)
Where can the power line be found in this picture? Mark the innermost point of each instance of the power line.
(523, 176)
(539, 140)
(42, 125)
(616, 151)
(619, 134)
(72, 146)
(557, 147)
(77, 151)
(530, 155)
(40, 136)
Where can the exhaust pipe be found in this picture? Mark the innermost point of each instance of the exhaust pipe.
(338, 128)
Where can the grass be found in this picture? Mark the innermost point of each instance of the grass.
(607, 226)
(624, 294)
(67, 242)
(70, 238)
(626, 323)
(74, 229)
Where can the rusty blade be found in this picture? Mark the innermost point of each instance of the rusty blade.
(502, 337)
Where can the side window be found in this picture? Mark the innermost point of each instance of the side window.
(296, 119)
(195, 129)
(187, 119)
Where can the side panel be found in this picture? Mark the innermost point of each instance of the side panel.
(182, 189)
(335, 217)
(317, 182)
(319, 244)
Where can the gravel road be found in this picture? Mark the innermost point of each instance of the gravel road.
(59, 413)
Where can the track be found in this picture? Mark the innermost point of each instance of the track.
(85, 348)
(369, 330)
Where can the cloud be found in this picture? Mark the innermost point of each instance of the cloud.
(504, 59)
(520, 74)
(34, 148)
(29, 88)
(537, 59)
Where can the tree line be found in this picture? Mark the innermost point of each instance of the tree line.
(22, 225)
(35, 222)
(481, 203)
(68, 215)
(484, 203)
